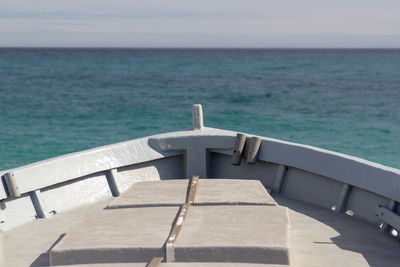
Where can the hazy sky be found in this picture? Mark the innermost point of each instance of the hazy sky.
(205, 23)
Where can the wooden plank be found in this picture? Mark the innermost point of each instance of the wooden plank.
(279, 179)
(238, 149)
(342, 198)
(391, 206)
(155, 262)
(38, 204)
(197, 117)
(170, 251)
(389, 217)
(357, 172)
(192, 190)
(255, 144)
(112, 183)
(12, 185)
(3, 194)
(72, 166)
(191, 194)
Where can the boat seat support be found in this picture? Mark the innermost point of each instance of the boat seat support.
(38, 204)
(390, 207)
(255, 143)
(342, 199)
(238, 149)
(279, 179)
(112, 183)
(389, 217)
(12, 186)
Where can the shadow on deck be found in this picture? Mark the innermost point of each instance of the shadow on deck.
(321, 238)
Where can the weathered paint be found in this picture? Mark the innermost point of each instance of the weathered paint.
(195, 144)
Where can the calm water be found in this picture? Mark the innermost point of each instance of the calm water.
(59, 101)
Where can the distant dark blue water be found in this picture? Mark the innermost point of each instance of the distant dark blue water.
(56, 101)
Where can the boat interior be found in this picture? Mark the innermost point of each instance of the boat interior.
(201, 197)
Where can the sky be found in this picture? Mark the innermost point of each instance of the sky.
(205, 23)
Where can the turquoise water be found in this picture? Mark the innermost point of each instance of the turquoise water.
(56, 101)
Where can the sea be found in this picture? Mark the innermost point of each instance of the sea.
(56, 101)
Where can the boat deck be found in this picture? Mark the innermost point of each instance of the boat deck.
(182, 220)
(318, 238)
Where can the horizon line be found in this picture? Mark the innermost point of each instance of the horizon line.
(199, 47)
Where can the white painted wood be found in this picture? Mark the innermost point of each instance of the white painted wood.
(350, 170)
(279, 179)
(71, 166)
(238, 149)
(3, 190)
(16, 212)
(342, 198)
(197, 117)
(195, 147)
(390, 207)
(38, 204)
(389, 217)
(253, 149)
(112, 182)
(11, 184)
(354, 171)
